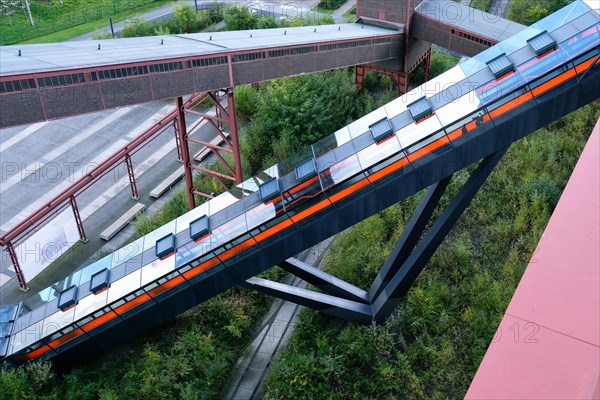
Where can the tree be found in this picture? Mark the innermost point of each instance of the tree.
(266, 23)
(138, 27)
(187, 20)
(239, 19)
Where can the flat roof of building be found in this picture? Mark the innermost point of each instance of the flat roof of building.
(82, 54)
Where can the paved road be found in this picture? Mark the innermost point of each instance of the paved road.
(287, 9)
(499, 8)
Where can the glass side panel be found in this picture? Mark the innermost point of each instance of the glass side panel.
(90, 303)
(57, 321)
(453, 111)
(156, 269)
(126, 284)
(417, 131)
(127, 252)
(563, 16)
(582, 42)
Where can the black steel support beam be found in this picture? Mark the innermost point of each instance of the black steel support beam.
(410, 236)
(324, 281)
(335, 306)
(387, 301)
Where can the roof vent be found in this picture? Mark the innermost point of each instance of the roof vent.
(165, 246)
(542, 43)
(199, 227)
(381, 129)
(306, 169)
(269, 190)
(420, 109)
(501, 66)
(99, 281)
(67, 298)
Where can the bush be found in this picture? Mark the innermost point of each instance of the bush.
(216, 13)
(544, 189)
(138, 27)
(264, 22)
(528, 12)
(240, 18)
(294, 112)
(187, 20)
(483, 5)
(246, 101)
(101, 35)
(331, 4)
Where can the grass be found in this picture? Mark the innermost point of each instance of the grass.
(433, 344)
(351, 15)
(483, 5)
(76, 17)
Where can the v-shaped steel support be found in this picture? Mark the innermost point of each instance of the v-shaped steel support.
(409, 256)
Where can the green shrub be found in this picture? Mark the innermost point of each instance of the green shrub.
(101, 35)
(246, 101)
(138, 27)
(265, 22)
(331, 4)
(544, 189)
(239, 18)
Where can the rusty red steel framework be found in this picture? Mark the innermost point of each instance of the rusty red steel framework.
(225, 116)
(401, 79)
(228, 143)
(68, 196)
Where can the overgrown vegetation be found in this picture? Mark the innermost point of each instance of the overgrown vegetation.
(188, 20)
(185, 19)
(483, 5)
(330, 4)
(432, 346)
(189, 358)
(54, 16)
(193, 356)
(292, 113)
(528, 12)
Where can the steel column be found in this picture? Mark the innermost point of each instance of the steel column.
(427, 64)
(78, 219)
(185, 152)
(384, 304)
(235, 143)
(410, 236)
(324, 281)
(131, 174)
(18, 270)
(335, 306)
(177, 142)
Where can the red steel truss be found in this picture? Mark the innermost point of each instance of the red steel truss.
(228, 143)
(400, 78)
(69, 195)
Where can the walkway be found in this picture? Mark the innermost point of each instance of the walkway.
(548, 343)
(272, 337)
(338, 15)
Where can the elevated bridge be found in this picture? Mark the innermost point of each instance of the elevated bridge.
(57, 80)
(470, 114)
